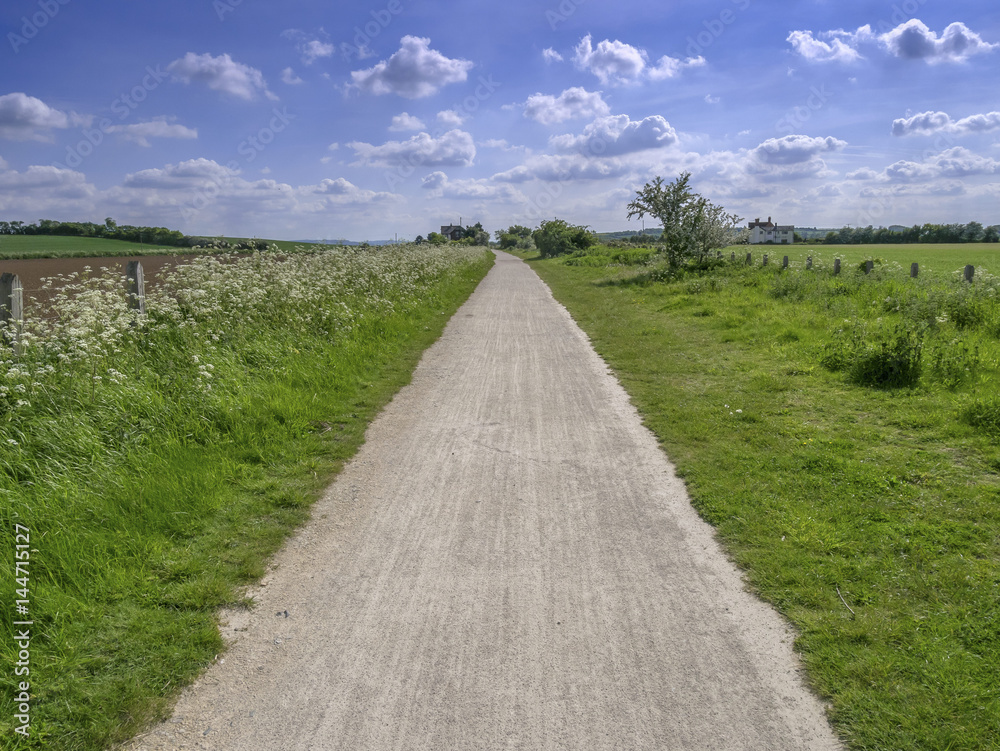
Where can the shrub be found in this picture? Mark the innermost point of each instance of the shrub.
(984, 415)
(952, 363)
(887, 358)
(556, 237)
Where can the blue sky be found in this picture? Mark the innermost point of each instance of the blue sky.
(307, 119)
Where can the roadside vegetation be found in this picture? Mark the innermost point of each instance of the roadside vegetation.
(159, 459)
(842, 433)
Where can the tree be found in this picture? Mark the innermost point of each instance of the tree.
(692, 225)
(556, 237)
(436, 238)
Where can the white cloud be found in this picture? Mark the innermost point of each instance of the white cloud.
(840, 48)
(618, 135)
(671, 67)
(453, 149)
(24, 118)
(310, 47)
(221, 73)
(414, 71)
(42, 181)
(343, 192)
(955, 162)
(450, 117)
(140, 133)
(438, 185)
(190, 175)
(563, 169)
(911, 40)
(288, 76)
(406, 121)
(915, 41)
(551, 56)
(928, 123)
(709, 99)
(612, 62)
(575, 102)
(795, 149)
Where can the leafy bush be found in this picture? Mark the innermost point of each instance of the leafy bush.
(984, 415)
(556, 238)
(952, 363)
(887, 358)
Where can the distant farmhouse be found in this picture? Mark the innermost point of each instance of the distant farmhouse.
(453, 231)
(768, 232)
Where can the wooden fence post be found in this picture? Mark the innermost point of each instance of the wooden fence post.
(135, 287)
(869, 265)
(765, 260)
(836, 266)
(733, 256)
(969, 272)
(809, 262)
(12, 308)
(914, 270)
(784, 262)
(749, 259)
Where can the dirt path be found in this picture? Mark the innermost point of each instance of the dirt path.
(508, 563)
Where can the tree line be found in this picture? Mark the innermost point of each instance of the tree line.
(111, 230)
(973, 232)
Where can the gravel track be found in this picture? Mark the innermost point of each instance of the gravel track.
(509, 562)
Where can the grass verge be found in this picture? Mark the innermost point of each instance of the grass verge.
(159, 461)
(867, 513)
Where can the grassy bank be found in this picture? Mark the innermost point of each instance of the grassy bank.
(55, 246)
(867, 512)
(158, 461)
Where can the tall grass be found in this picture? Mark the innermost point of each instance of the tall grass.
(158, 459)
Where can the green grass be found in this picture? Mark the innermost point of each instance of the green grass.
(54, 246)
(939, 257)
(821, 488)
(156, 493)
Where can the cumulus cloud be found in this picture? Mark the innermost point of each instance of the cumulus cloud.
(310, 47)
(221, 73)
(450, 117)
(795, 149)
(953, 163)
(288, 76)
(575, 102)
(24, 118)
(929, 123)
(439, 185)
(43, 181)
(563, 168)
(406, 121)
(915, 41)
(343, 192)
(453, 149)
(551, 56)
(414, 71)
(911, 40)
(140, 133)
(618, 135)
(840, 47)
(612, 62)
(671, 67)
(185, 176)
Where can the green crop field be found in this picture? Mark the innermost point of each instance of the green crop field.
(943, 257)
(57, 246)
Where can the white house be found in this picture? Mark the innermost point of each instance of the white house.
(768, 232)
